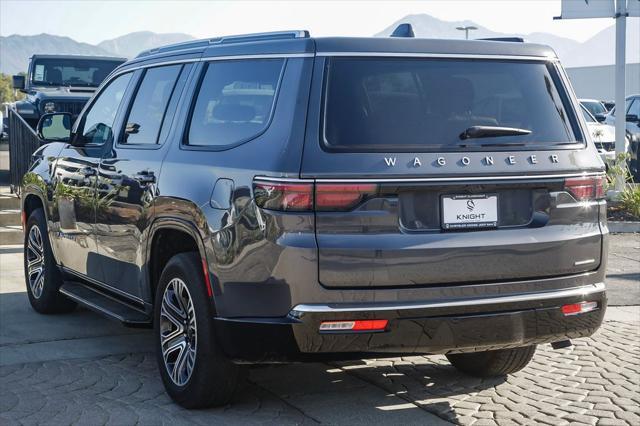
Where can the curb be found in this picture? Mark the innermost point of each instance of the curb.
(619, 227)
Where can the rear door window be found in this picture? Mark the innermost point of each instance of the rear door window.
(235, 102)
(406, 104)
(150, 104)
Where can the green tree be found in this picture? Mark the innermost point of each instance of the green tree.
(7, 94)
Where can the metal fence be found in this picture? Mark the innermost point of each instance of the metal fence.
(23, 141)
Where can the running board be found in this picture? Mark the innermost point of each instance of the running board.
(105, 305)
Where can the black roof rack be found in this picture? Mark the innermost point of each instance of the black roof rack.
(241, 38)
(508, 39)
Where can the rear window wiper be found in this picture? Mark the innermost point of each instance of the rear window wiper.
(475, 132)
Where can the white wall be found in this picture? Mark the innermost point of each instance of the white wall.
(599, 82)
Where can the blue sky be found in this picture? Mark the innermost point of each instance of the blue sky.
(94, 21)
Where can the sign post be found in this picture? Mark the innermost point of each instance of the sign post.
(576, 9)
(621, 31)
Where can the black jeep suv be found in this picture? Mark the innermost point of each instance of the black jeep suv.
(60, 83)
(275, 197)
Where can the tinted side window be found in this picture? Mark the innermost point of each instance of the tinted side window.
(235, 101)
(97, 124)
(149, 106)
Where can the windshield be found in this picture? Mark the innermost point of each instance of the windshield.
(587, 115)
(71, 72)
(594, 108)
(407, 104)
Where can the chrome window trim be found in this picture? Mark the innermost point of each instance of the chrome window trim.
(214, 58)
(572, 292)
(438, 55)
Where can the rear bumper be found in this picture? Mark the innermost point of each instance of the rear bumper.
(465, 325)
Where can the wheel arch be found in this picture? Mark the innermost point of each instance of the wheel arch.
(169, 236)
(31, 201)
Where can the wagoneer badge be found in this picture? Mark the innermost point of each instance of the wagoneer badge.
(465, 161)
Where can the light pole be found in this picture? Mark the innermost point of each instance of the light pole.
(466, 30)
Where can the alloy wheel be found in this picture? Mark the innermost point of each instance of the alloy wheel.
(178, 331)
(35, 261)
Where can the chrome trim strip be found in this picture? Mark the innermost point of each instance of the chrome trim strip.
(210, 59)
(461, 179)
(277, 179)
(577, 291)
(437, 55)
(262, 56)
(583, 262)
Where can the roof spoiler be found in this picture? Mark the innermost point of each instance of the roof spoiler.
(403, 30)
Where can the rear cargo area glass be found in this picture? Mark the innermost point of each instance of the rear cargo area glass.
(418, 104)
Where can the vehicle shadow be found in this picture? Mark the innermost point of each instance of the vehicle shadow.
(421, 384)
(412, 390)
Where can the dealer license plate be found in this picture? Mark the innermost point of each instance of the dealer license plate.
(469, 211)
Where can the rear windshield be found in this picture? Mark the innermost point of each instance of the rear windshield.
(396, 104)
(71, 72)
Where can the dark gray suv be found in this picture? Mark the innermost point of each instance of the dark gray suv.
(275, 197)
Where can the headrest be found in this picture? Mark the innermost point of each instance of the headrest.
(234, 112)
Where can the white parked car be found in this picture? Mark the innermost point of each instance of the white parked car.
(603, 135)
(596, 108)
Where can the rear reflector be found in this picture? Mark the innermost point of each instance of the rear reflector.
(357, 325)
(585, 188)
(579, 308)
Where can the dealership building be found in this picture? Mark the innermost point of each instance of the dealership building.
(598, 82)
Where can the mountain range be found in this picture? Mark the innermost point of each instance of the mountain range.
(15, 50)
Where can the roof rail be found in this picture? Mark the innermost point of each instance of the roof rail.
(241, 38)
(508, 39)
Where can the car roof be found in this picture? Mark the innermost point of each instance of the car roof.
(299, 42)
(590, 100)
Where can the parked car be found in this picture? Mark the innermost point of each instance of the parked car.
(632, 114)
(609, 105)
(603, 135)
(596, 108)
(60, 83)
(275, 197)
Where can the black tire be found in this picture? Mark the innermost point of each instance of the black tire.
(492, 363)
(213, 379)
(42, 287)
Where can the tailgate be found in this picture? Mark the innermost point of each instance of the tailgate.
(399, 237)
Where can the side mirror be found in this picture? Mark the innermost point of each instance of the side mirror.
(55, 127)
(632, 118)
(18, 82)
(600, 117)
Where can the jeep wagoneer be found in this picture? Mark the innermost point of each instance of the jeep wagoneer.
(276, 197)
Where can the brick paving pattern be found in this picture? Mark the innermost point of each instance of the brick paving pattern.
(597, 381)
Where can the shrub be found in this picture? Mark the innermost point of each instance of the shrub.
(630, 200)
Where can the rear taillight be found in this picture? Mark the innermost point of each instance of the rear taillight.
(585, 188)
(334, 197)
(304, 196)
(284, 196)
